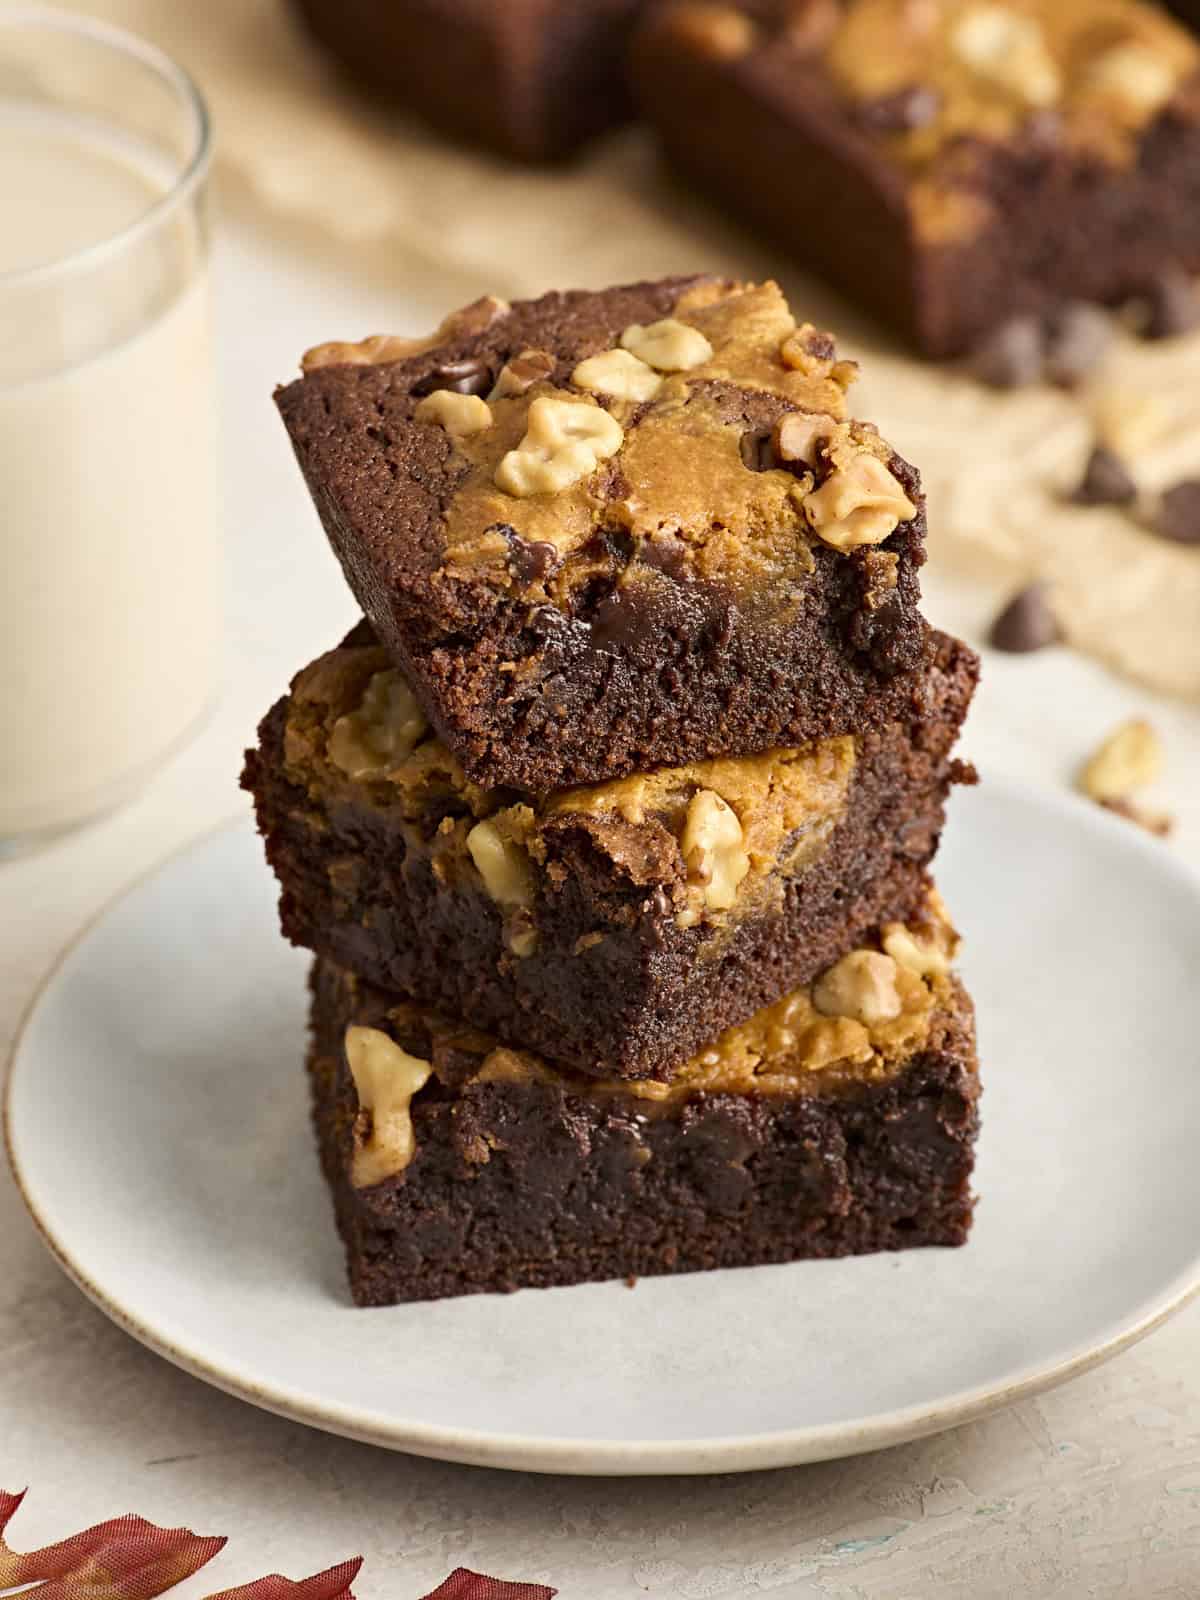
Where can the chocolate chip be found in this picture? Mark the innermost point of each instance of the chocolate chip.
(1026, 623)
(1172, 306)
(758, 451)
(1107, 481)
(1178, 516)
(529, 560)
(902, 111)
(1078, 336)
(1012, 356)
(472, 375)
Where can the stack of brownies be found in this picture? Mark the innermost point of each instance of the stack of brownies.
(611, 826)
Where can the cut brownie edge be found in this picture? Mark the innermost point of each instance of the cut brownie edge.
(533, 1185)
(717, 583)
(612, 965)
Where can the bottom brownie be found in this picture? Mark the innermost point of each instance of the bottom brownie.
(837, 1121)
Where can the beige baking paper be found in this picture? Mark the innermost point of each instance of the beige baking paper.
(295, 143)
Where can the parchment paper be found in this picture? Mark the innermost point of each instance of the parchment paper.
(296, 143)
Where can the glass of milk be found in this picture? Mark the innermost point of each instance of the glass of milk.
(109, 547)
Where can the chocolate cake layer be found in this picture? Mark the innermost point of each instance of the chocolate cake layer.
(952, 166)
(617, 928)
(460, 1167)
(606, 532)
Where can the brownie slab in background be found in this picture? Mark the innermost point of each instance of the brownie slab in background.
(616, 929)
(953, 165)
(841, 1120)
(532, 81)
(603, 532)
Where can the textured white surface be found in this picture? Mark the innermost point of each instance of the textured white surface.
(1093, 1490)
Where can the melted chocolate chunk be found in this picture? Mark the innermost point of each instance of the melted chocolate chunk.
(758, 451)
(530, 561)
(470, 376)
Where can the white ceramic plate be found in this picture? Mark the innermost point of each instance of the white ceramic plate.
(157, 1122)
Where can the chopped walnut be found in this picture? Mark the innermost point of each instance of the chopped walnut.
(927, 951)
(719, 32)
(520, 374)
(381, 348)
(565, 440)
(619, 374)
(460, 414)
(809, 350)
(713, 848)
(861, 986)
(382, 733)
(799, 435)
(668, 346)
(1009, 51)
(503, 865)
(385, 1079)
(1129, 759)
(1137, 77)
(859, 503)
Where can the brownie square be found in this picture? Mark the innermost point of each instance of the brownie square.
(614, 929)
(531, 81)
(660, 538)
(952, 166)
(458, 1166)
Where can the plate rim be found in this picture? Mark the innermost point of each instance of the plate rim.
(599, 1457)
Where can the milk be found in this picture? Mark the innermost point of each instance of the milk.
(108, 519)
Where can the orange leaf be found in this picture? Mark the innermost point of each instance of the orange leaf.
(333, 1584)
(464, 1585)
(126, 1558)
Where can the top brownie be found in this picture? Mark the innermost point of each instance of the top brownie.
(606, 531)
(953, 164)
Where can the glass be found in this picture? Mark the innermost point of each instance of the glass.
(110, 587)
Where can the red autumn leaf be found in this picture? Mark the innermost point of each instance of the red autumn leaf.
(126, 1558)
(333, 1584)
(464, 1585)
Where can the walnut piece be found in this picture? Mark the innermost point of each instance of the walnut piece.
(503, 865)
(925, 952)
(460, 414)
(668, 346)
(860, 503)
(385, 1079)
(1134, 75)
(713, 848)
(717, 32)
(1129, 759)
(799, 434)
(382, 733)
(520, 374)
(565, 440)
(1008, 51)
(619, 374)
(381, 348)
(861, 986)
